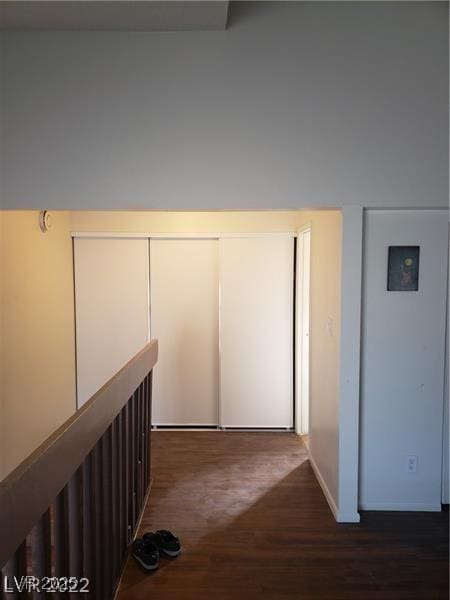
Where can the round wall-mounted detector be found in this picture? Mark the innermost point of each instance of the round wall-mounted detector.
(45, 220)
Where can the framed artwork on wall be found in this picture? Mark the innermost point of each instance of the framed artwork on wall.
(403, 268)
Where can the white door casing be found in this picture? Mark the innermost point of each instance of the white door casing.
(303, 268)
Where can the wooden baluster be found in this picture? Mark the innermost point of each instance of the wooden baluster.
(149, 426)
(139, 448)
(115, 499)
(61, 531)
(136, 455)
(127, 471)
(143, 441)
(106, 448)
(76, 518)
(41, 557)
(120, 488)
(97, 589)
(144, 436)
(14, 572)
(88, 526)
(133, 460)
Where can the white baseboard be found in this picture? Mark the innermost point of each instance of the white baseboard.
(401, 506)
(340, 517)
(348, 517)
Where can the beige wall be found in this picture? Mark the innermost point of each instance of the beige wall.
(2, 439)
(186, 222)
(325, 317)
(37, 325)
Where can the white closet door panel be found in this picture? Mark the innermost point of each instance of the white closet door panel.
(256, 332)
(185, 320)
(112, 308)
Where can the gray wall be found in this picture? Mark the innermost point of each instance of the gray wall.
(446, 437)
(295, 105)
(402, 368)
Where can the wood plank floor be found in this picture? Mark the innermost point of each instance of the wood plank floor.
(255, 525)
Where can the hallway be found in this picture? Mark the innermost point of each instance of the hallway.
(254, 523)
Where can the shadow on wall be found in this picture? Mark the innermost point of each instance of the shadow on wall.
(243, 12)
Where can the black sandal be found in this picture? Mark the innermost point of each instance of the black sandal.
(165, 541)
(146, 553)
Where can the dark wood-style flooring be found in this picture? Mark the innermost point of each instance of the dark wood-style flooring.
(255, 525)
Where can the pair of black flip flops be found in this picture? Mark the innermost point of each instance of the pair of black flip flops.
(147, 549)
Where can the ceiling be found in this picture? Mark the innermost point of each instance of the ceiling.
(113, 15)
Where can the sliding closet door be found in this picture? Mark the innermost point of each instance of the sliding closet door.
(185, 320)
(256, 279)
(112, 308)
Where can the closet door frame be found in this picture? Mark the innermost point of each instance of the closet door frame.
(199, 236)
(180, 236)
(302, 330)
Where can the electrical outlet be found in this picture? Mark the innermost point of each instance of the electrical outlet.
(411, 465)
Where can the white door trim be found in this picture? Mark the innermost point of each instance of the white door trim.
(178, 236)
(301, 335)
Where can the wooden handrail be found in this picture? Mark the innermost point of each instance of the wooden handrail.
(30, 489)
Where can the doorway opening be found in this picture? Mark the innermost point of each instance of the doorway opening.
(227, 295)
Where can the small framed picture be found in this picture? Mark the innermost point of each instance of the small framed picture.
(403, 268)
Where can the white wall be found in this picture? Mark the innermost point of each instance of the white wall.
(297, 104)
(403, 364)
